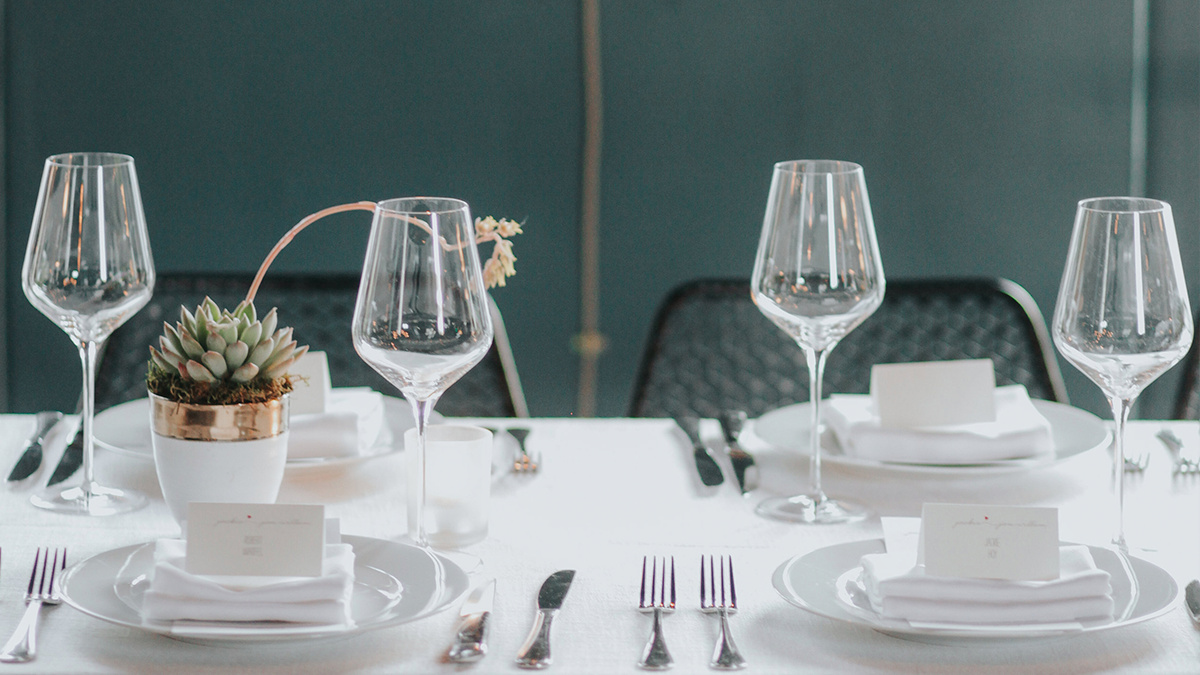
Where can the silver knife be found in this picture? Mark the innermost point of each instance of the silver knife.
(743, 464)
(706, 466)
(470, 640)
(72, 459)
(535, 653)
(31, 456)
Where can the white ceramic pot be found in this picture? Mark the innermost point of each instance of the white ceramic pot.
(232, 454)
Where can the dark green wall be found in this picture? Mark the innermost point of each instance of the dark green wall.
(979, 124)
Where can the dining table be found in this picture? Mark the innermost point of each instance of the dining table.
(608, 493)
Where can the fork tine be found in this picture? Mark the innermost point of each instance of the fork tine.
(722, 581)
(33, 574)
(642, 588)
(732, 590)
(672, 580)
(703, 590)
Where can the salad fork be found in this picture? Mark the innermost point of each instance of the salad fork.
(43, 590)
(1180, 464)
(524, 462)
(1137, 462)
(725, 654)
(655, 655)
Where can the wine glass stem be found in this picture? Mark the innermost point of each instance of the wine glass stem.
(1120, 411)
(88, 353)
(816, 375)
(422, 410)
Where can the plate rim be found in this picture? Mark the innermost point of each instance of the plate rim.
(455, 587)
(1057, 414)
(780, 582)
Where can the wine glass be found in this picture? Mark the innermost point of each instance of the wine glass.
(817, 276)
(421, 319)
(1122, 315)
(88, 268)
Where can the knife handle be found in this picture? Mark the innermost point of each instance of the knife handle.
(470, 642)
(535, 653)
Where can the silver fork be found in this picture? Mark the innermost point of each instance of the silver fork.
(725, 654)
(523, 462)
(1180, 464)
(43, 590)
(1137, 462)
(655, 656)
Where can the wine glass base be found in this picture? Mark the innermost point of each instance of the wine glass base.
(805, 509)
(96, 501)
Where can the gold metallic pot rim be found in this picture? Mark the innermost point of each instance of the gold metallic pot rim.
(238, 422)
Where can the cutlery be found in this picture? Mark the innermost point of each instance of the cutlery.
(31, 456)
(22, 646)
(706, 466)
(72, 459)
(1191, 596)
(524, 462)
(725, 654)
(744, 467)
(470, 640)
(655, 655)
(535, 653)
(1180, 464)
(1137, 462)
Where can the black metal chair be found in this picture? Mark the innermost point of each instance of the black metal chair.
(320, 309)
(711, 349)
(1187, 403)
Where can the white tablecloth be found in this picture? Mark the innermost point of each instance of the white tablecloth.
(610, 492)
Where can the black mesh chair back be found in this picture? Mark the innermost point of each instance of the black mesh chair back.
(711, 349)
(1187, 404)
(320, 309)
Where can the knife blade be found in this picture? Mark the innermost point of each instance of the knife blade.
(706, 466)
(31, 456)
(470, 639)
(72, 459)
(535, 653)
(744, 467)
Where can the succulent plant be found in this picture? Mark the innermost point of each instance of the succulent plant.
(213, 347)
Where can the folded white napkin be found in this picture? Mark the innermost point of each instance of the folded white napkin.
(899, 590)
(1019, 431)
(175, 594)
(352, 424)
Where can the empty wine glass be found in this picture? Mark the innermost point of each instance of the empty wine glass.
(817, 276)
(1122, 315)
(88, 268)
(421, 319)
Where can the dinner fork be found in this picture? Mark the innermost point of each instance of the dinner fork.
(1180, 464)
(1137, 462)
(523, 462)
(725, 654)
(655, 655)
(43, 590)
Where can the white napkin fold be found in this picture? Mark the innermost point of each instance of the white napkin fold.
(899, 590)
(352, 424)
(1019, 431)
(175, 594)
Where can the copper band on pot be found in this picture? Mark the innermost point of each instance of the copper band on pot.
(240, 422)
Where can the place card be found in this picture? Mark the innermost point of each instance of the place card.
(934, 393)
(1018, 543)
(286, 540)
(311, 385)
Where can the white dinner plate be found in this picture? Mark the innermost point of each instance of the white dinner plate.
(1072, 431)
(394, 583)
(825, 582)
(125, 429)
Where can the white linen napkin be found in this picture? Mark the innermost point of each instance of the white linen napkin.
(899, 590)
(352, 424)
(175, 594)
(1019, 431)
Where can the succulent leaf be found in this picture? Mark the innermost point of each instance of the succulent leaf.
(198, 372)
(215, 342)
(269, 322)
(215, 362)
(252, 333)
(191, 347)
(236, 353)
(262, 352)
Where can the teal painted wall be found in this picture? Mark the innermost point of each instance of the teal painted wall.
(979, 124)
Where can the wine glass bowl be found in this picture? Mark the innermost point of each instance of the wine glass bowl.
(1122, 315)
(817, 276)
(88, 268)
(421, 318)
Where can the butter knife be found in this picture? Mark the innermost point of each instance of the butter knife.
(706, 466)
(31, 456)
(744, 467)
(72, 459)
(470, 639)
(535, 653)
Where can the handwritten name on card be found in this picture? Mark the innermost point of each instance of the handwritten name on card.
(286, 540)
(934, 393)
(1017, 543)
